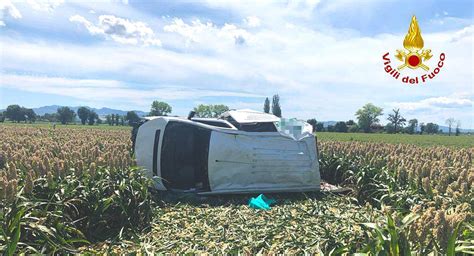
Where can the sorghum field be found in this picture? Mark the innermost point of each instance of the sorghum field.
(70, 190)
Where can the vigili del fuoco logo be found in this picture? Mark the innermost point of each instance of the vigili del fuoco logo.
(414, 57)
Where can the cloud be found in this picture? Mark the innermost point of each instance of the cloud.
(466, 32)
(102, 90)
(252, 21)
(126, 62)
(310, 69)
(449, 21)
(438, 109)
(259, 47)
(7, 9)
(436, 103)
(45, 5)
(304, 7)
(269, 10)
(120, 30)
(207, 33)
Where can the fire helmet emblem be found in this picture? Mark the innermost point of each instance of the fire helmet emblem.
(415, 54)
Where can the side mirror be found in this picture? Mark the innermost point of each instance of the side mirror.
(191, 114)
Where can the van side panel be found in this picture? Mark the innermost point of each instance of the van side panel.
(246, 162)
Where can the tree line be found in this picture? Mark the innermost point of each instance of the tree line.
(86, 116)
(66, 115)
(368, 121)
(367, 118)
(16, 113)
(160, 108)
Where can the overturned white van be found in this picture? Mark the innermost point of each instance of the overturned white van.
(240, 152)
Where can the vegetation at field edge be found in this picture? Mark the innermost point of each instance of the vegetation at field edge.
(420, 140)
(50, 125)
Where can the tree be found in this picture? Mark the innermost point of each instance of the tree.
(2, 117)
(276, 109)
(368, 115)
(29, 114)
(396, 120)
(50, 117)
(117, 119)
(203, 110)
(376, 127)
(65, 115)
(266, 105)
(108, 119)
(17, 114)
(92, 117)
(312, 122)
(458, 128)
(320, 127)
(160, 108)
(431, 128)
(412, 124)
(13, 113)
(340, 127)
(132, 118)
(450, 122)
(389, 128)
(422, 128)
(208, 111)
(219, 109)
(83, 114)
(354, 128)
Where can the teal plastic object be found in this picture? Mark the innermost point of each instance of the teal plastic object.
(261, 202)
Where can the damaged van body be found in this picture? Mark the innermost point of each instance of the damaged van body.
(241, 152)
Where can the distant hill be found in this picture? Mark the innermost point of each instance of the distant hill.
(100, 111)
(328, 123)
(445, 129)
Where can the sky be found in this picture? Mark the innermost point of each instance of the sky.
(323, 57)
